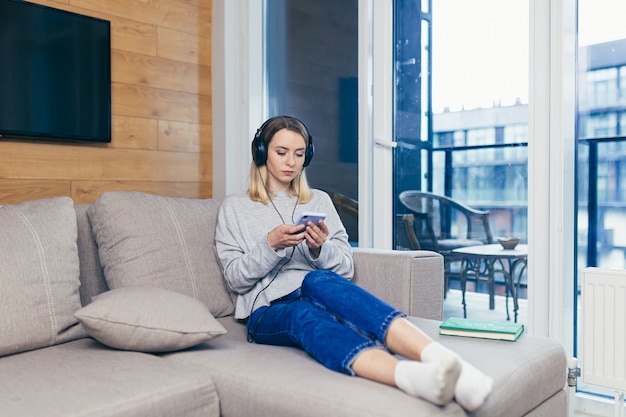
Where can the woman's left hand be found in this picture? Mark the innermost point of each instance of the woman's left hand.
(316, 235)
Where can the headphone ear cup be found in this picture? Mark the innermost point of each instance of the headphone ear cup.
(259, 150)
(309, 152)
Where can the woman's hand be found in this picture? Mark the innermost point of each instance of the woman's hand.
(285, 236)
(316, 235)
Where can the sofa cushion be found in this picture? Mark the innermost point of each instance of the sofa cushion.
(261, 380)
(39, 275)
(148, 319)
(92, 280)
(526, 373)
(153, 241)
(84, 378)
(255, 379)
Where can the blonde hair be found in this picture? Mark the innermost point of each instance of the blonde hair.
(258, 191)
(299, 186)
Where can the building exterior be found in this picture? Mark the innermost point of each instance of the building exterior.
(480, 157)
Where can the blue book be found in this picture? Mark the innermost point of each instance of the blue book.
(483, 329)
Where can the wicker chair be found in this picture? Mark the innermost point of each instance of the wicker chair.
(439, 223)
(348, 210)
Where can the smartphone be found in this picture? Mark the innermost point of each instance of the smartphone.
(307, 217)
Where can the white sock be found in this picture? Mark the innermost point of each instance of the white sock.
(472, 386)
(433, 381)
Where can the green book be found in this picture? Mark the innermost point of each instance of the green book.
(483, 329)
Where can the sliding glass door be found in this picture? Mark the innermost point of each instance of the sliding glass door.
(601, 144)
(311, 59)
(460, 127)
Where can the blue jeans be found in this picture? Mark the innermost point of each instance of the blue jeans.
(331, 318)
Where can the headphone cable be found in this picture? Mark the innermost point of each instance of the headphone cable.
(251, 335)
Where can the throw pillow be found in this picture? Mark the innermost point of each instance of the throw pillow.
(148, 319)
(147, 240)
(39, 275)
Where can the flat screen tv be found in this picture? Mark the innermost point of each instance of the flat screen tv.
(55, 74)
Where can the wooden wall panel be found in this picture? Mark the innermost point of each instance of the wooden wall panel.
(181, 137)
(183, 47)
(168, 74)
(22, 190)
(39, 161)
(84, 192)
(161, 111)
(157, 103)
(172, 14)
(135, 133)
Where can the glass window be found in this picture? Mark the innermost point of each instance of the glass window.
(601, 144)
(622, 124)
(476, 149)
(622, 85)
(484, 136)
(599, 125)
(602, 87)
(515, 133)
(311, 51)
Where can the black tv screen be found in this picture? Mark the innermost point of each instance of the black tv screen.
(55, 74)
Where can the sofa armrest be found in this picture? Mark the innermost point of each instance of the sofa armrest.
(411, 281)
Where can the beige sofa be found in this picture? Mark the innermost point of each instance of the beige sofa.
(150, 262)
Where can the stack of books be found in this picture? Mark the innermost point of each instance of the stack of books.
(483, 329)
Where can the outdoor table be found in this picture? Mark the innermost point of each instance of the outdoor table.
(483, 262)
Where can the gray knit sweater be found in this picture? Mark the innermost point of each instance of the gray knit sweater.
(256, 272)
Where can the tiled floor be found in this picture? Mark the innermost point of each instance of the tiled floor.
(478, 306)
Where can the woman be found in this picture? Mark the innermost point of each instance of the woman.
(293, 283)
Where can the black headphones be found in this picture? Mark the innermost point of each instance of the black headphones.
(259, 143)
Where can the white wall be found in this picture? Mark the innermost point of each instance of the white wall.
(238, 105)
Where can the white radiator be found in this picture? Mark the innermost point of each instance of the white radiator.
(604, 330)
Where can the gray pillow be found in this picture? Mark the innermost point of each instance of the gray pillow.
(39, 275)
(148, 319)
(153, 241)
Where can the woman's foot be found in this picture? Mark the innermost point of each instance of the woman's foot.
(472, 386)
(433, 381)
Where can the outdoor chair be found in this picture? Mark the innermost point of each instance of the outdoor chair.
(439, 223)
(348, 210)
